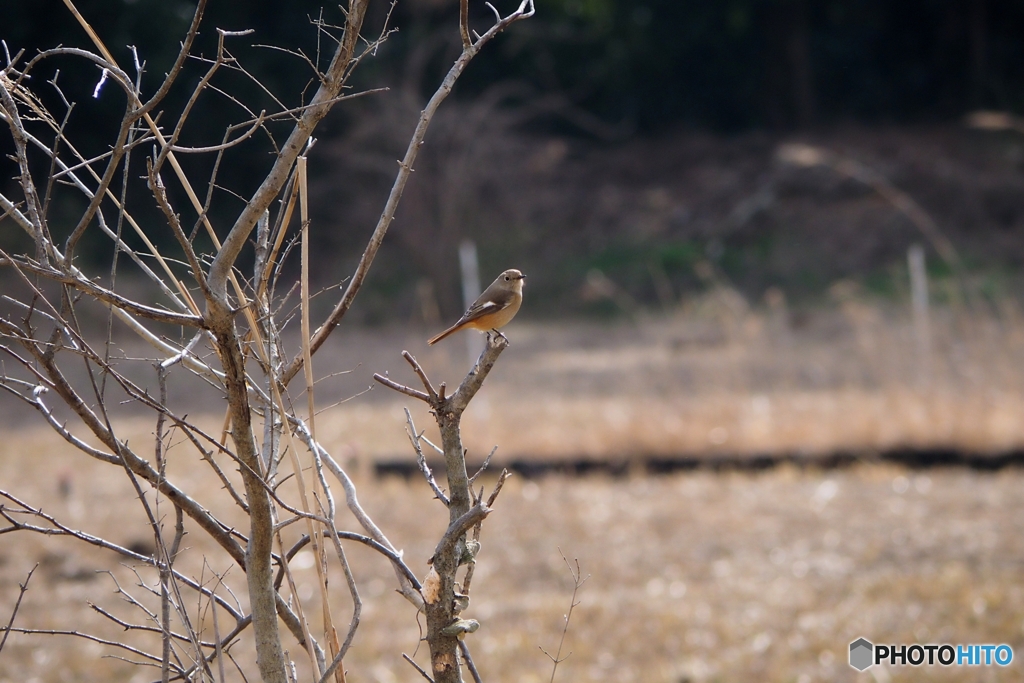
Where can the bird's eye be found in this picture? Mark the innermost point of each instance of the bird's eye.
(506, 278)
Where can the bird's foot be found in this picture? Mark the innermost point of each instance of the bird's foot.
(500, 335)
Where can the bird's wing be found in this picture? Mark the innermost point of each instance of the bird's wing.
(488, 305)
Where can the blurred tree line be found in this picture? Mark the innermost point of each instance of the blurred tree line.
(587, 72)
(737, 64)
(724, 65)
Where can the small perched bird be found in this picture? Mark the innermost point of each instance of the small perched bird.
(494, 308)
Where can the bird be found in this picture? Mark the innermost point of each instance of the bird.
(493, 309)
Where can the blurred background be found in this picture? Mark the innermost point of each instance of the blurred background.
(801, 219)
(773, 313)
(637, 140)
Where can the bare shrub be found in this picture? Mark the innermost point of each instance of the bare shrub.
(213, 327)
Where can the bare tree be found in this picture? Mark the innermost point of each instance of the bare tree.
(229, 336)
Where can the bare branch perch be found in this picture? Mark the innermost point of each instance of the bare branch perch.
(439, 586)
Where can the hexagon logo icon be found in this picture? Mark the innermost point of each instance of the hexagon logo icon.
(861, 651)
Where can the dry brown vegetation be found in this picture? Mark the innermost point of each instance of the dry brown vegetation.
(694, 577)
(698, 576)
(714, 379)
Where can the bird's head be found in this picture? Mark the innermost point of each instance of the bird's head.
(512, 278)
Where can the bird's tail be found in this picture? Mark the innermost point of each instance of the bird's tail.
(451, 330)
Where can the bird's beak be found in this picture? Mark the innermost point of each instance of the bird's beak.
(522, 277)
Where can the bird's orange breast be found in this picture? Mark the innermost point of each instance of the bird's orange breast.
(497, 319)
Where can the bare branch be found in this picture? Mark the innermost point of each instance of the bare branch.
(23, 587)
(59, 529)
(34, 220)
(105, 295)
(470, 664)
(415, 438)
(330, 87)
(408, 391)
(467, 41)
(169, 145)
(417, 667)
(77, 182)
(246, 353)
(129, 626)
(505, 474)
(487, 461)
(419, 373)
(408, 585)
(156, 186)
(390, 554)
(96, 639)
(224, 145)
(475, 379)
(10, 209)
(578, 580)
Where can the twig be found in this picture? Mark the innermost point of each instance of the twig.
(59, 529)
(470, 664)
(408, 585)
(224, 145)
(419, 373)
(99, 293)
(14, 612)
(128, 626)
(421, 460)
(408, 391)
(86, 636)
(417, 667)
(505, 474)
(471, 570)
(577, 583)
(464, 23)
(487, 461)
(218, 649)
(330, 88)
(365, 540)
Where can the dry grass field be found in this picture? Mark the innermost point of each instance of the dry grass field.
(715, 380)
(694, 576)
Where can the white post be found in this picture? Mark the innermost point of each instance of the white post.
(919, 304)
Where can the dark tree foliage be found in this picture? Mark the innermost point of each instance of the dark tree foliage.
(726, 65)
(738, 64)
